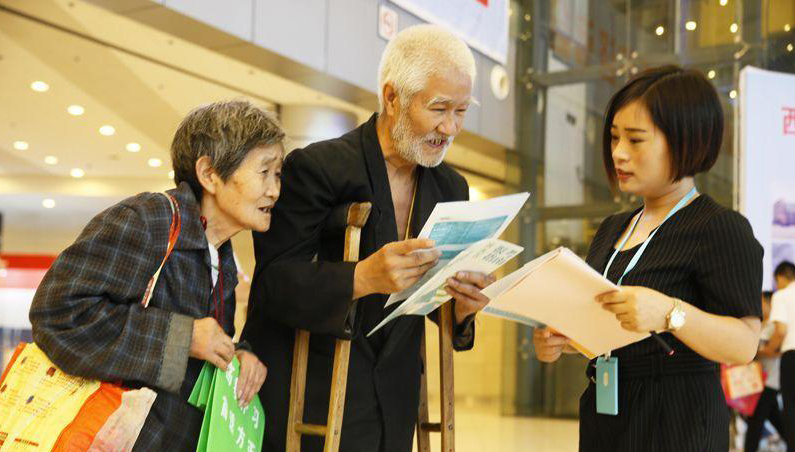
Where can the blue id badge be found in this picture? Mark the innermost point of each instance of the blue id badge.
(607, 385)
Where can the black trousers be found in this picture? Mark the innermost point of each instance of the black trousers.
(685, 413)
(788, 394)
(766, 408)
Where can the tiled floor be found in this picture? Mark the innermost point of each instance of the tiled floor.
(485, 430)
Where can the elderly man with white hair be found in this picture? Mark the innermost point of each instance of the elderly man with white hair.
(394, 161)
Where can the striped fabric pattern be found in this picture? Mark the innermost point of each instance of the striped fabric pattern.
(707, 256)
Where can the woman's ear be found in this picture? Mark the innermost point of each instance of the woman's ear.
(206, 174)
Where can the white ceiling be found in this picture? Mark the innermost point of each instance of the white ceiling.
(137, 79)
(142, 91)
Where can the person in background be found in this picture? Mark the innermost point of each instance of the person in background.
(782, 314)
(688, 269)
(87, 313)
(767, 407)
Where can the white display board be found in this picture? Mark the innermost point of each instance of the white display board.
(483, 24)
(767, 162)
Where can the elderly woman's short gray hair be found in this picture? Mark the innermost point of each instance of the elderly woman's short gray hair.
(224, 131)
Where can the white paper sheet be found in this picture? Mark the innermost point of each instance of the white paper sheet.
(455, 226)
(484, 256)
(558, 290)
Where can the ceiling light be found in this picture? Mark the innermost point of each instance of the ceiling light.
(51, 160)
(733, 93)
(691, 25)
(133, 147)
(48, 203)
(39, 86)
(107, 130)
(154, 163)
(787, 27)
(733, 28)
(789, 47)
(711, 74)
(21, 145)
(77, 173)
(723, 2)
(75, 110)
(660, 30)
(171, 174)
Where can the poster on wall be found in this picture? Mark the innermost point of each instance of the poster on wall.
(483, 24)
(767, 163)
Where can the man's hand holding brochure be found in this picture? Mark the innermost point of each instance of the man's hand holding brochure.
(465, 232)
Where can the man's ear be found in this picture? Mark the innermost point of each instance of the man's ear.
(206, 174)
(391, 100)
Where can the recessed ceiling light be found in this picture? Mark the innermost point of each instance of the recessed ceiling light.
(48, 203)
(733, 93)
(789, 47)
(154, 163)
(75, 110)
(660, 30)
(723, 2)
(51, 160)
(787, 27)
(171, 174)
(107, 130)
(21, 145)
(39, 86)
(133, 147)
(733, 28)
(691, 25)
(77, 173)
(711, 74)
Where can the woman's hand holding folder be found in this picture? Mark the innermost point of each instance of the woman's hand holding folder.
(638, 309)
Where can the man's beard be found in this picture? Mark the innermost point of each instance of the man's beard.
(410, 146)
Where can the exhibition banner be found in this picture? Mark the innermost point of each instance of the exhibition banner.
(766, 160)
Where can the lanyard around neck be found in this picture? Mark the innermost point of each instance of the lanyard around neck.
(682, 202)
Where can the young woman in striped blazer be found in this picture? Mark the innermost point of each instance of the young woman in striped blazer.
(689, 270)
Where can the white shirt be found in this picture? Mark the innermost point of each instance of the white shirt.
(770, 365)
(214, 263)
(782, 309)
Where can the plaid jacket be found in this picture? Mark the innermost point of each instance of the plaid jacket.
(88, 319)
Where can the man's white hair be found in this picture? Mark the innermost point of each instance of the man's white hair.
(418, 52)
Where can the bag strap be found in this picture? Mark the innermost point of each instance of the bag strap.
(173, 235)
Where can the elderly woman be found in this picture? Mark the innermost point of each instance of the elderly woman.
(88, 314)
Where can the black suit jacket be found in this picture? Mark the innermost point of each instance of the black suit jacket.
(300, 282)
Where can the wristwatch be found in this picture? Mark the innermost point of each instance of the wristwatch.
(676, 318)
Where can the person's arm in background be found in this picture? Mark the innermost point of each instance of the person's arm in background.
(772, 348)
(778, 315)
